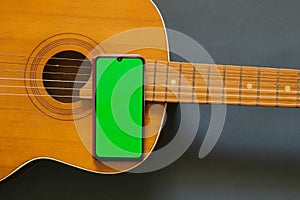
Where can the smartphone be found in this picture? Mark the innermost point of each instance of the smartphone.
(118, 107)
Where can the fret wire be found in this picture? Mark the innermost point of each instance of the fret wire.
(224, 80)
(240, 86)
(258, 87)
(167, 81)
(154, 81)
(277, 87)
(298, 87)
(207, 84)
(193, 92)
(179, 82)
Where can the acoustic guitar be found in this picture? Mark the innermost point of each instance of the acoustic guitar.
(45, 80)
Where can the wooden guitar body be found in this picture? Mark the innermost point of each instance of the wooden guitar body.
(39, 40)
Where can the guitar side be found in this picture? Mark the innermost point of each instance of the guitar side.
(35, 125)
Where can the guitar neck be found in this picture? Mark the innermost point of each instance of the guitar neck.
(221, 84)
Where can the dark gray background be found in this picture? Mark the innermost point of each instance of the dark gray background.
(257, 154)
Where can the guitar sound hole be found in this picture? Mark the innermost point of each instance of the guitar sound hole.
(61, 78)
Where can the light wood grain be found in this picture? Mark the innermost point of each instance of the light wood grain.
(222, 84)
(29, 127)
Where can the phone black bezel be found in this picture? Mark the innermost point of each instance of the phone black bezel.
(115, 159)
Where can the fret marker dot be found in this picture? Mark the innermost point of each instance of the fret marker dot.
(287, 88)
(173, 82)
(249, 86)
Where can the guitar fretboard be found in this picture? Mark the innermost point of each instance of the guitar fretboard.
(221, 84)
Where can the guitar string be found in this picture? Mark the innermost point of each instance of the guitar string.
(43, 80)
(192, 66)
(151, 93)
(145, 84)
(54, 114)
(49, 65)
(147, 65)
(41, 57)
(39, 73)
(82, 60)
(220, 102)
(150, 85)
(37, 87)
(163, 73)
(228, 76)
(212, 96)
(85, 60)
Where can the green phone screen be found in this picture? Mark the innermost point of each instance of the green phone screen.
(119, 102)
